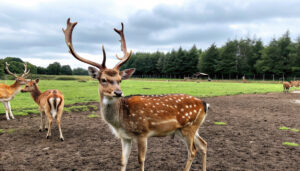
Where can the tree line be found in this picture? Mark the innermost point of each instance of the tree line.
(16, 65)
(236, 58)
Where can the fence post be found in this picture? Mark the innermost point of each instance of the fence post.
(273, 78)
(263, 77)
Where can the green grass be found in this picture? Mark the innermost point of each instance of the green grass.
(81, 92)
(284, 128)
(10, 131)
(294, 130)
(287, 128)
(290, 144)
(93, 115)
(220, 123)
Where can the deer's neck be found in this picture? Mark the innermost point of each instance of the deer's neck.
(36, 94)
(16, 86)
(110, 110)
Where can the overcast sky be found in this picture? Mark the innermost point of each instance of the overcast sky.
(31, 29)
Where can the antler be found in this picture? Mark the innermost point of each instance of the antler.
(25, 71)
(8, 71)
(68, 38)
(123, 48)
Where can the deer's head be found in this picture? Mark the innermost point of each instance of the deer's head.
(19, 79)
(30, 86)
(109, 79)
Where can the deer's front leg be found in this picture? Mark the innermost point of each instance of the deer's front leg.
(142, 149)
(126, 149)
(6, 110)
(10, 112)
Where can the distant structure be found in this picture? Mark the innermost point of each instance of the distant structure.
(200, 75)
(244, 79)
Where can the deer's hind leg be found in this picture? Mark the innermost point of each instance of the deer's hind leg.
(202, 145)
(188, 135)
(58, 120)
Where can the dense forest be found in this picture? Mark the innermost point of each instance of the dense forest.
(250, 57)
(16, 65)
(245, 57)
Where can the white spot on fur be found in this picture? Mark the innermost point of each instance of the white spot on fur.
(186, 106)
(181, 109)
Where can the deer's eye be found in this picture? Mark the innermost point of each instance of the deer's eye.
(26, 86)
(103, 80)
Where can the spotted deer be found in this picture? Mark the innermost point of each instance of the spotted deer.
(51, 104)
(8, 92)
(286, 86)
(138, 117)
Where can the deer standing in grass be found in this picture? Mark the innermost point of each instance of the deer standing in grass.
(138, 117)
(7, 92)
(51, 104)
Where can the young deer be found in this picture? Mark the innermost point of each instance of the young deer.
(51, 104)
(7, 92)
(138, 117)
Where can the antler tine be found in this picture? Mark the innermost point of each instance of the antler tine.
(8, 71)
(104, 57)
(123, 48)
(68, 38)
(25, 71)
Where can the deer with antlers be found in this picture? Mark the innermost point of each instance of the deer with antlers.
(8, 92)
(138, 117)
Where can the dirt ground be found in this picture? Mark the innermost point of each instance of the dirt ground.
(251, 140)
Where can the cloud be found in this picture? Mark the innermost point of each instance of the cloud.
(32, 29)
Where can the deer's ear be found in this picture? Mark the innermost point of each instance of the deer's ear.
(93, 72)
(127, 73)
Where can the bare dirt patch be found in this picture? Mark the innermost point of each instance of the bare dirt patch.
(250, 140)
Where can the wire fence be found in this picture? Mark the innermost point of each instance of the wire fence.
(262, 77)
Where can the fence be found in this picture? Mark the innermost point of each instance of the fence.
(262, 77)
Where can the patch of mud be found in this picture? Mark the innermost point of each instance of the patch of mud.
(250, 141)
(297, 101)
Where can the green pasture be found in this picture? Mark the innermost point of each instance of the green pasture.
(81, 91)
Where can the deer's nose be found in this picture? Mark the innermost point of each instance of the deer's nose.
(118, 93)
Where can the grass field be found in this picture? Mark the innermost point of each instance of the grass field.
(79, 92)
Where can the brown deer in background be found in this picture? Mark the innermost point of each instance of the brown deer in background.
(51, 104)
(138, 117)
(7, 92)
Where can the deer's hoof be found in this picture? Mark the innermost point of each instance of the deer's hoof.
(48, 137)
(62, 139)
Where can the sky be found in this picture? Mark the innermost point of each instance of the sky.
(32, 29)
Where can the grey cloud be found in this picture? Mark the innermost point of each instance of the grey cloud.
(33, 32)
